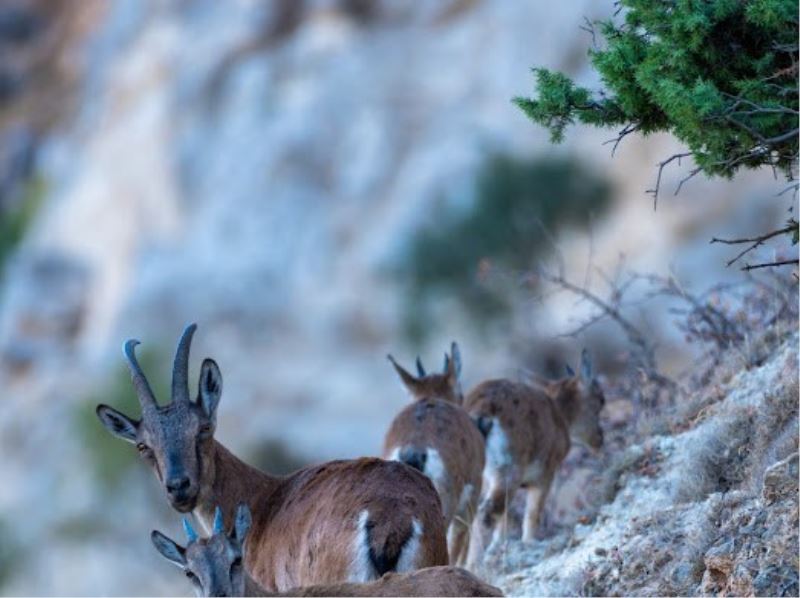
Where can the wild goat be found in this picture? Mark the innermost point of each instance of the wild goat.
(527, 433)
(435, 435)
(338, 521)
(214, 566)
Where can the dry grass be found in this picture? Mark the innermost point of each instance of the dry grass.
(698, 497)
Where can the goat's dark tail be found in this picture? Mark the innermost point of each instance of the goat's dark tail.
(414, 457)
(386, 541)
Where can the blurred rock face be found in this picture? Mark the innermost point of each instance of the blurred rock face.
(254, 167)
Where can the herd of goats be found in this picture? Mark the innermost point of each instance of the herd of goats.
(404, 525)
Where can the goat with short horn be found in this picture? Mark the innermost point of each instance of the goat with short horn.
(342, 520)
(435, 435)
(528, 431)
(214, 566)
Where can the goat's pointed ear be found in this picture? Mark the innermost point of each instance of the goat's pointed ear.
(210, 387)
(586, 366)
(409, 381)
(118, 424)
(169, 549)
(241, 525)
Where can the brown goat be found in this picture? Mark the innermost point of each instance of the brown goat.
(527, 431)
(214, 566)
(436, 435)
(339, 521)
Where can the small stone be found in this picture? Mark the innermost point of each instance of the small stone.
(780, 479)
(719, 565)
(776, 580)
(682, 575)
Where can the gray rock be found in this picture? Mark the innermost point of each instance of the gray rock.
(781, 479)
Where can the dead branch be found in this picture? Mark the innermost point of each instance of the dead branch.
(755, 242)
(608, 309)
(588, 27)
(703, 320)
(693, 173)
(661, 165)
(624, 132)
(749, 267)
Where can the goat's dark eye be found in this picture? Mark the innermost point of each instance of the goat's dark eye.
(190, 575)
(205, 430)
(143, 448)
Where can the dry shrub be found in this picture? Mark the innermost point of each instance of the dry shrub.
(776, 432)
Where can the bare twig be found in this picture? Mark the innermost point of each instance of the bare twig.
(793, 187)
(691, 175)
(626, 130)
(584, 326)
(553, 245)
(661, 165)
(608, 310)
(749, 267)
(756, 241)
(719, 328)
(588, 26)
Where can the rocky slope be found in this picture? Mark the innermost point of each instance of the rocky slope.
(708, 508)
(259, 167)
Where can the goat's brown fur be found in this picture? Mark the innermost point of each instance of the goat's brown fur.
(214, 566)
(528, 432)
(338, 521)
(433, 581)
(436, 435)
(305, 525)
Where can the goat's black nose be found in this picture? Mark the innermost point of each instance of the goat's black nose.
(177, 484)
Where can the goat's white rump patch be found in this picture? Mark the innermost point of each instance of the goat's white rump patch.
(498, 453)
(435, 469)
(361, 569)
(410, 551)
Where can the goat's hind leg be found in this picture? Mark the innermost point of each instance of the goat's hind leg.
(534, 507)
(457, 541)
(490, 523)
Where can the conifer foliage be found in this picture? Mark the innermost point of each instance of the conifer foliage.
(720, 75)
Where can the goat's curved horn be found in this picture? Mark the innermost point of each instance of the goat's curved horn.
(143, 391)
(219, 524)
(420, 369)
(180, 368)
(191, 535)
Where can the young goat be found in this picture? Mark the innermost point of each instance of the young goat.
(214, 565)
(528, 434)
(339, 521)
(435, 435)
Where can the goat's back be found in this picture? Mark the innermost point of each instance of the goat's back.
(322, 521)
(532, 425)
